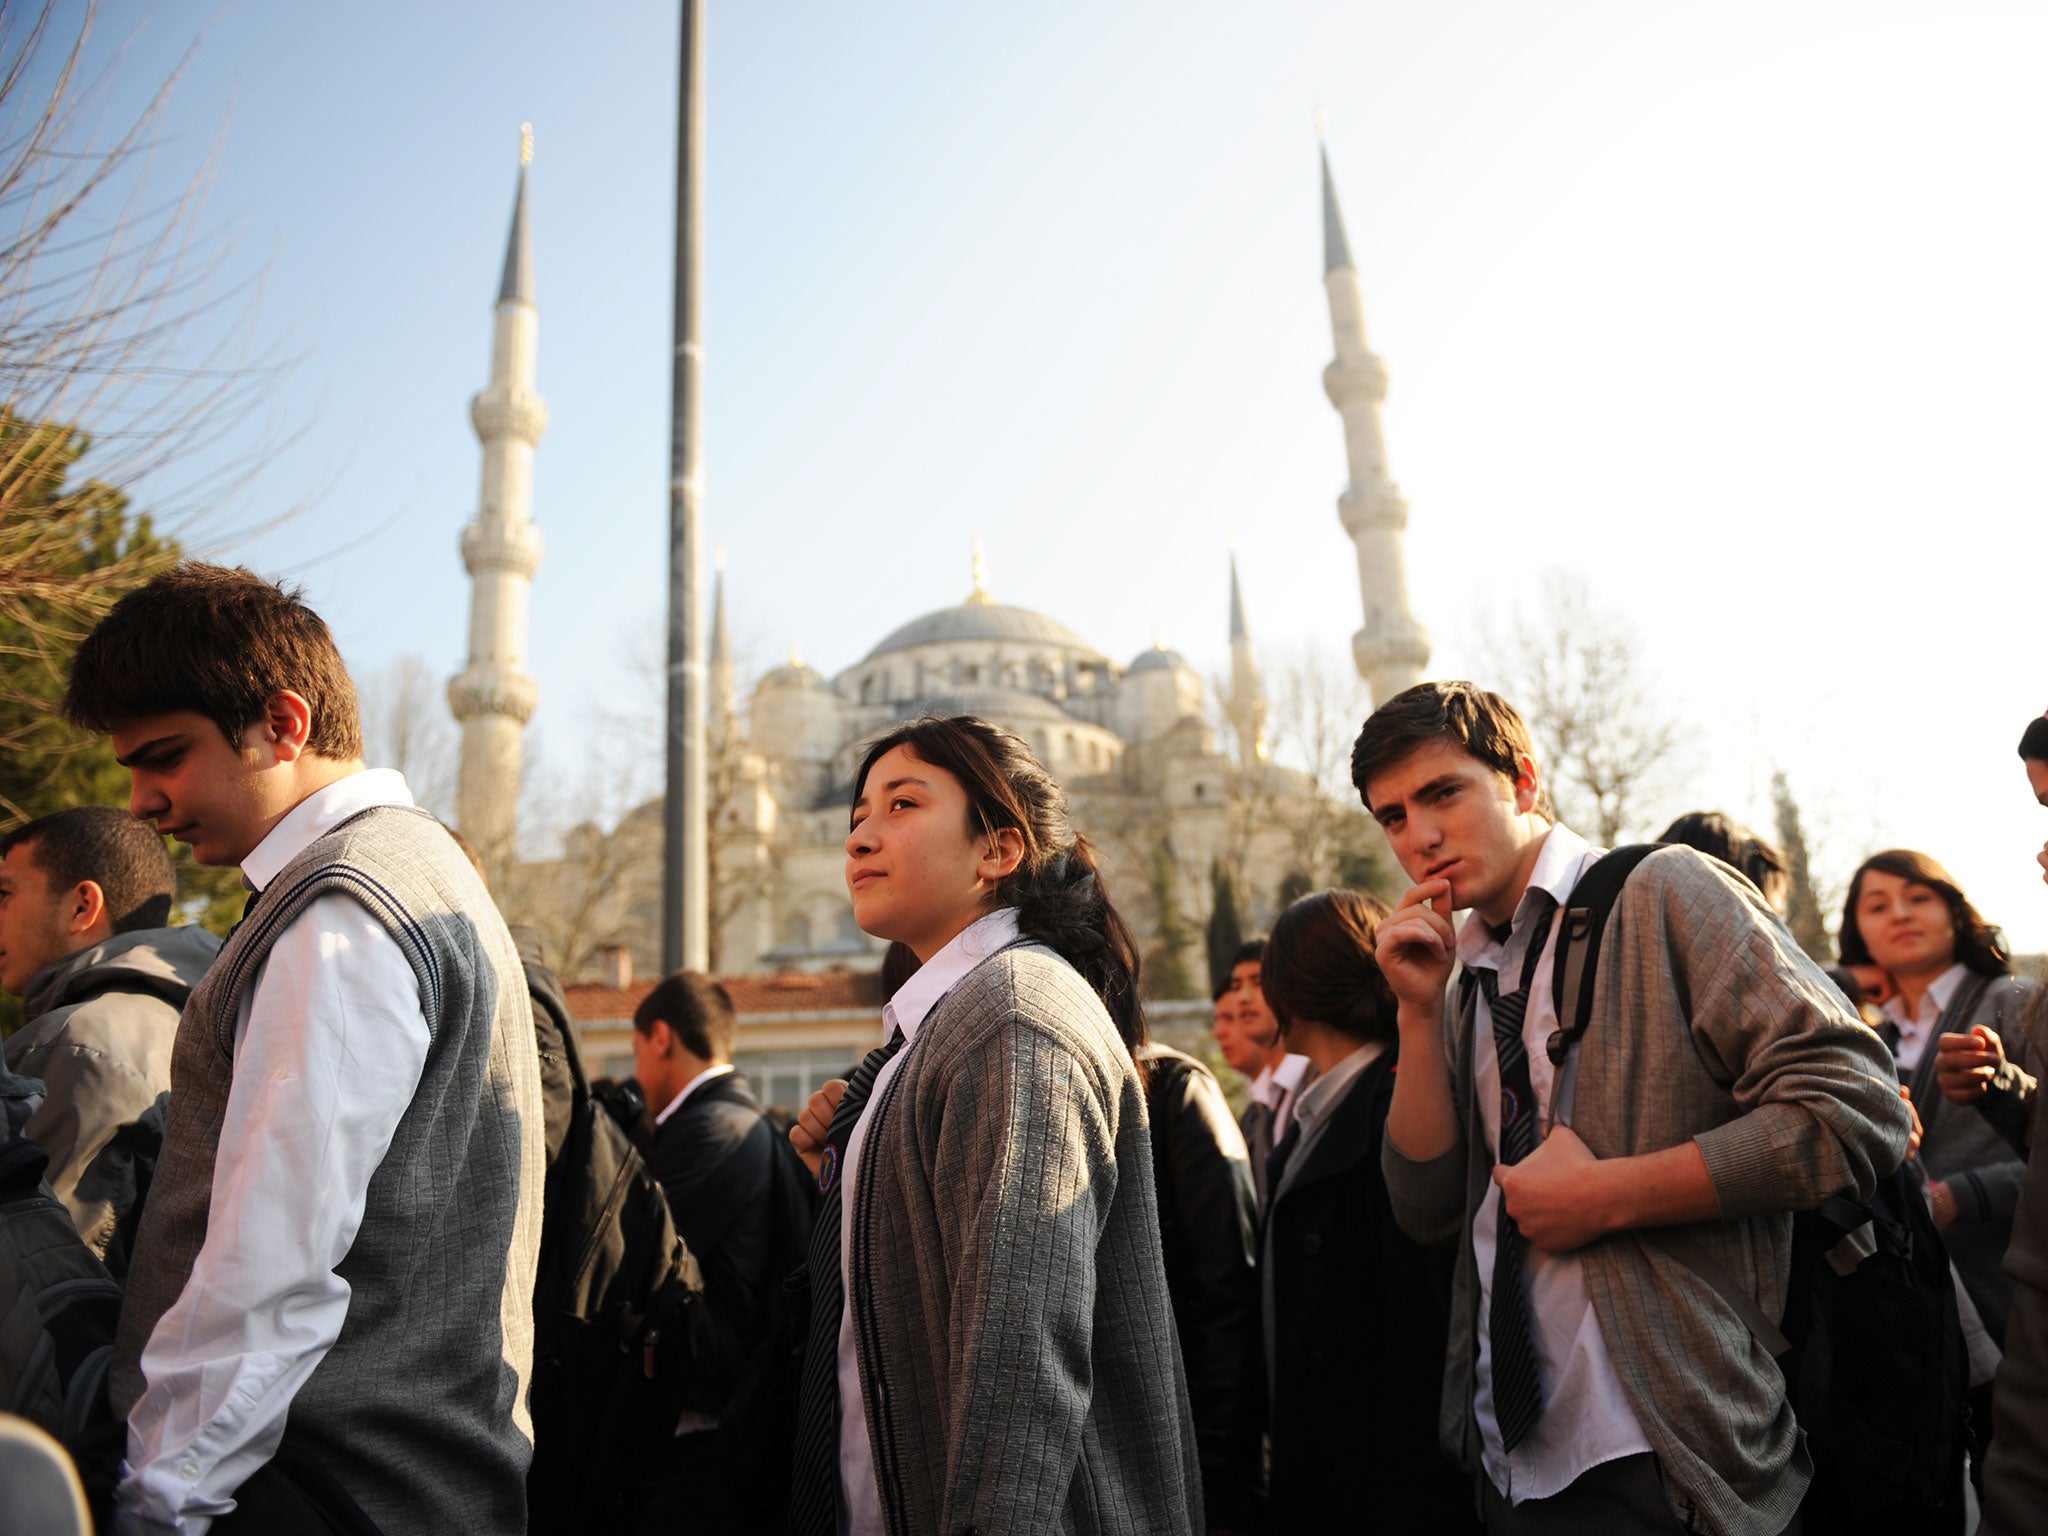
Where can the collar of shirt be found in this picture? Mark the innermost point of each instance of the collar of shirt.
(317, 815)
(723, 1069)
(1563, 859)
(1933, 1002)
(918, 996)
(1327, 1091)
(1274, 1084)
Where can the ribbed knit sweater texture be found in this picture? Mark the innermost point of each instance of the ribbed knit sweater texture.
(419, 1409)
(1018, 1357)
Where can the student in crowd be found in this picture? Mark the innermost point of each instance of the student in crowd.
(1355, 1311)
(1595, 1380)
(1906, 915)
(1281, 1074)
(1208, 1225)
(85, 900)
(329, 1311)
(1728, 840)
(730, 1187)
(991, 1345)
(1974, 1069)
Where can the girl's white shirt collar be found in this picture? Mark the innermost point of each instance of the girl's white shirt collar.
(939, 975)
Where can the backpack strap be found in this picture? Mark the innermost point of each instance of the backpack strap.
(1575, 965)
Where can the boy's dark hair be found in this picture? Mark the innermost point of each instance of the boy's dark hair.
(1250, 952)
(1980, 946)
(121, 855)
(1321, 965)
(1464, 714)
(2034, 740)
(697, 1008)
(1728, 840)
(219, 641)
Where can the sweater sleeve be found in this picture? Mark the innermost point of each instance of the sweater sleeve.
(1032, 1127)
(1818, 1101)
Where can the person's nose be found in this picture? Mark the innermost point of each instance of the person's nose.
(859, 840)
(145, 801)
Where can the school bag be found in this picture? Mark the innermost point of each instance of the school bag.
(622, 1343)
(1871, 1344)
(58, 1311)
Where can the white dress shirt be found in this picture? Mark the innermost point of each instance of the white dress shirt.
(330, 1042)
(709, 1074)
(1278, 1088)
(1916, 1029)
(1586, 1417)
(907, 1011)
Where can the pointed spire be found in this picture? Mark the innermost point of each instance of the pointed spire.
(1336, 249)
(1237, 628)
(516, 285)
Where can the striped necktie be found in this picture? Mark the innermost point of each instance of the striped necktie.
(1517, 1389)
(814, 1479)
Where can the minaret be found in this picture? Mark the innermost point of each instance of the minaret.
(1247, 699)
(494, 697)
(1392, 649)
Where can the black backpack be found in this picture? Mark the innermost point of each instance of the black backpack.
(58, 1311)
(1871, 1343)
(622, 1344)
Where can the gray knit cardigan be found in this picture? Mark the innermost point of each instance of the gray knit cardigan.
(1018, 1358)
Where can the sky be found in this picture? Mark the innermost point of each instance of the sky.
(1733, 310)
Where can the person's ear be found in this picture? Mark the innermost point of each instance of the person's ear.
(85, 908)
(1528, 784)
(1001, 858)
(286, 726)
(662, 1038)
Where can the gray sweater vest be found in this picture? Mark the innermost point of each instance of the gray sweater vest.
(420, 1407)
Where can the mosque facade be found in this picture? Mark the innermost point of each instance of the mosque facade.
(1182, 798)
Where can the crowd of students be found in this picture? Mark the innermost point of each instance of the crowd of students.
(1501, 1241)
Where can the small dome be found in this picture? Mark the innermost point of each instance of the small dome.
(974, 620)
(795, 675)
(1152, 660)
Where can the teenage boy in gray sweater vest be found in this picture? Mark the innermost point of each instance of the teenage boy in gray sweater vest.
(329, 1313)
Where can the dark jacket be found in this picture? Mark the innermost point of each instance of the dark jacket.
(715, 1159)
(99, 1032)
(1962, 1148)
(1208, 1226)
(1360, 1318)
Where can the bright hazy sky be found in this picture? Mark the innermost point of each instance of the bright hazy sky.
(1736, 309)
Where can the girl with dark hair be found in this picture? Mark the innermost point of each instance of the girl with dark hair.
(1356, 1312)
(1907, 917)
(991, 1344)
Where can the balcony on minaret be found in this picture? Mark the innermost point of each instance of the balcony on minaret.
(497, 545)
(491, 688)
(1351, 378)
(1374, 507)
(508, 410)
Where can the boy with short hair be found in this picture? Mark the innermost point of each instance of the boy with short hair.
(85, 897)
(1595, 1380)
(329, 1314)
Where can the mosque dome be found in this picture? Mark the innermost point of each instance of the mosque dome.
(974, 620)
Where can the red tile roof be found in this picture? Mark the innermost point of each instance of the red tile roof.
(780, 993)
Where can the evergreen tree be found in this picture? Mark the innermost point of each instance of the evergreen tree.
(1165, 974)
(1802, 908)
(1225, 933)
